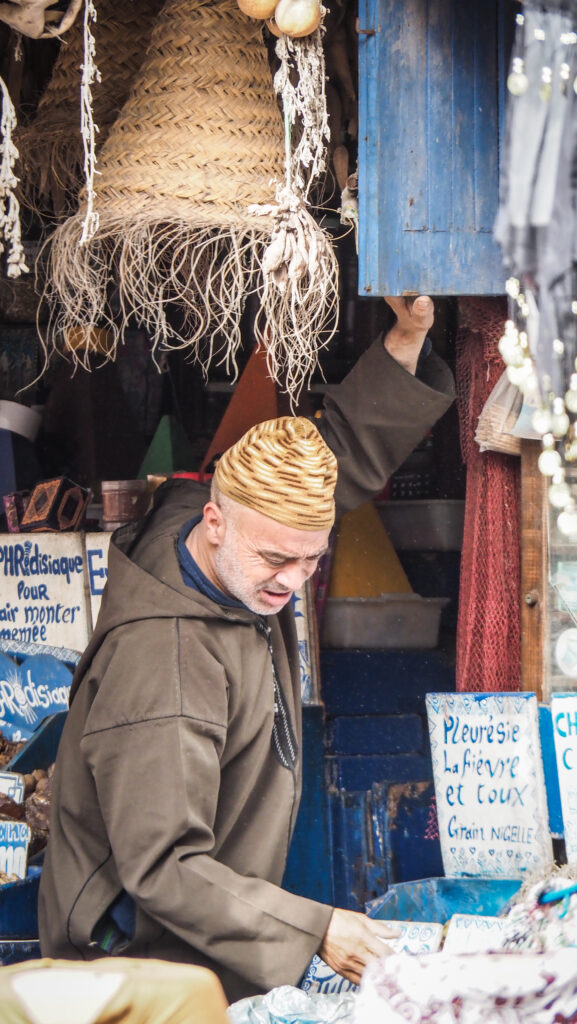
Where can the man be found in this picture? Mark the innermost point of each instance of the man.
(178, 774)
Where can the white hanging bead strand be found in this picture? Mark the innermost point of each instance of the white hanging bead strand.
(517, 81)
(549, 461)
(567, 520)
(559, 421)
(559, 493)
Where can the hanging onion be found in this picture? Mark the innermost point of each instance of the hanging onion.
(257, 8)
(297, 18)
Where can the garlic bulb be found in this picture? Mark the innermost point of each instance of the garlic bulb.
(257, 8)
(297, 18)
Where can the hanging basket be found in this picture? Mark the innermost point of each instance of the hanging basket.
(51, 165)
(177, 236)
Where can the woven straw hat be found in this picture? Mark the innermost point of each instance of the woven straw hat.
(51, 166)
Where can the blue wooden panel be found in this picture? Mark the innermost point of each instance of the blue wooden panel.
(382, 682)
(356, 772)
(380, 837)
(308, 871)
(550, 770)
(18, 951)
(403, 822)
(430, 112)
(351, 852)
(375, 734)
(19, 908)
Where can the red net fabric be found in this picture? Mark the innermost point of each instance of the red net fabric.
(489, 624)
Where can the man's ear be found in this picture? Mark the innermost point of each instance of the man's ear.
(214, 523)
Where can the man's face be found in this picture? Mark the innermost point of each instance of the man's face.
(261, 562)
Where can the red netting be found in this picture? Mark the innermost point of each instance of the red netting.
(489, 624)
(432, 829)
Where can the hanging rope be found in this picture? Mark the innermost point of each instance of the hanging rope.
(90, 75)
(9, 206)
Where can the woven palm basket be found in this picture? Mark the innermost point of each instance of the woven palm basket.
(199, 141)
(51, 165)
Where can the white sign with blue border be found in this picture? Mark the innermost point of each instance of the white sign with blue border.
(42, 586)
(489, 783)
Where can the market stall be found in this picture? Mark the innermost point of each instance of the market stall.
(194, 194)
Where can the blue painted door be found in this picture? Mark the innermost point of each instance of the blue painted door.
(430, 117)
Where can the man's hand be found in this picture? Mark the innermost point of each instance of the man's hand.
(352, 939)
(405, 339)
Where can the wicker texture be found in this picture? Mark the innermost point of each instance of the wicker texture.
(51, 166)
(201, 125)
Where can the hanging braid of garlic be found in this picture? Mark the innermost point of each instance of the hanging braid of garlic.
(9, 206)
(298, 312)
(88, 128)
(304, 103)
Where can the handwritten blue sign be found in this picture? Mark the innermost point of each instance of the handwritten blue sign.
(51, 585)
(42, 587)
(564, 719)
(489, 783)
(29, 691)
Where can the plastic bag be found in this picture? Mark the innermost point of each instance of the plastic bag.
(498, 418)
(289, 1005)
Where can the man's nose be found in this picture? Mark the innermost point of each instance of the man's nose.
(294, 575)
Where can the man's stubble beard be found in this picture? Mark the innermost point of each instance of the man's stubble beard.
(233, 579)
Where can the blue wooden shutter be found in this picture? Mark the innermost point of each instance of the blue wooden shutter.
(430, 117)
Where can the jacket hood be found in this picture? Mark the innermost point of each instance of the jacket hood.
(143, 562)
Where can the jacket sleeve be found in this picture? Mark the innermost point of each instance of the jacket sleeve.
(377, 416)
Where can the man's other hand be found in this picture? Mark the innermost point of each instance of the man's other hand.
(405, 339)
(352, 939)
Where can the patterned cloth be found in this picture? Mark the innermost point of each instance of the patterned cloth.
(476, 988)
(545, 919)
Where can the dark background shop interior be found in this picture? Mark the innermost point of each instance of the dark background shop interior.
(99, 423)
